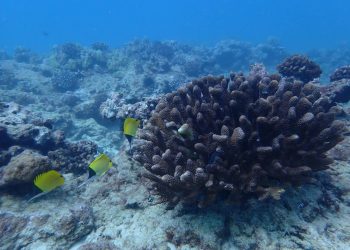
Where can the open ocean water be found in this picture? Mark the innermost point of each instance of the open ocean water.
(174, 124)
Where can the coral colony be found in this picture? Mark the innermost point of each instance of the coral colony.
(240, 136)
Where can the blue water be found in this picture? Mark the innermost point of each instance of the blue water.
(297, 24)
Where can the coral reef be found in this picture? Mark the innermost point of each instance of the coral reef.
(29, 146)
(338, 91)
(331, 59)
(116, 107)
(300, 67)
(64, 80)
(68, 53)
(24, 55)
(231, 54)
(237, 137)
(4, 55)
(74, 157)
(22, 169)
(340, 73)
(109, 211)
(269, 53)
(59, 230)
(7, 78)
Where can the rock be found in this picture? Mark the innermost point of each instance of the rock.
(22, 169)
(45, 229)
(11, 227)
(104, 245)
(73, 157)
(338, 91)
(341, 73)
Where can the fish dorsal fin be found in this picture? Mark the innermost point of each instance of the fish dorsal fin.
(130, 126)
(48, 181)
(101, 164)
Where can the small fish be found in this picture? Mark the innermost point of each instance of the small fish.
(186, 131)
(46, 182)
(130, 128)
(273, 192)
(98, 167)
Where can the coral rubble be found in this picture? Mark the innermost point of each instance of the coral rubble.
(238, 137)
(300, 67)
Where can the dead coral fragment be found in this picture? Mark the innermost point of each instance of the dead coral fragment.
(251, 138)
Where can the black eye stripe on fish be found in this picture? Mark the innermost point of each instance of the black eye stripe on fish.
(130, 128)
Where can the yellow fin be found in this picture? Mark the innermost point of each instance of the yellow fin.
(49, 181)
(101, 164)
(130, 126)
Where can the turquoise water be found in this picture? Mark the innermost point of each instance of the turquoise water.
(298, 24)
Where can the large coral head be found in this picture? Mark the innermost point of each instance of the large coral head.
(251, 136)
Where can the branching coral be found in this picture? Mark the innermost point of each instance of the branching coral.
(300, 67)
(237, 137)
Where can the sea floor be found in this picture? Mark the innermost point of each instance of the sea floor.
(119, 210)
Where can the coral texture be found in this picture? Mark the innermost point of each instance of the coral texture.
(338, 91)
(59, 230)
(7, 77)
(29, 146)
(116, 107)
(22, 169)
(300, 67)
(340, 73)
(237, 137)
(74, 157)
(64, 80)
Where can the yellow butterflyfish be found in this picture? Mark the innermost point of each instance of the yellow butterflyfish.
(48, 181)
(130, 128)
(100, 165)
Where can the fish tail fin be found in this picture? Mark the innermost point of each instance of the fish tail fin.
(87, 180)
(36, 196)
(82, 184)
